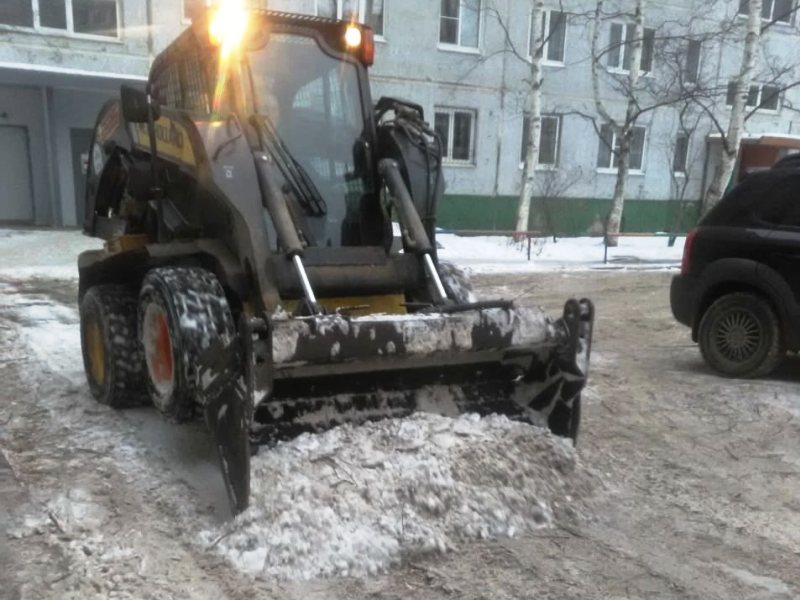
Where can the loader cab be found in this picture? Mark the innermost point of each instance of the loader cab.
(317, 98)
(305, 80)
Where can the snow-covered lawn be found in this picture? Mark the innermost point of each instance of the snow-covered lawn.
(45, 253)
(503, 255)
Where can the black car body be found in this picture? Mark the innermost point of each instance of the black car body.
(739, 286)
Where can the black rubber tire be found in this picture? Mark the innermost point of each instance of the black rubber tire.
(195, 310)
(456, 283)
(770, 349)
(113, 309)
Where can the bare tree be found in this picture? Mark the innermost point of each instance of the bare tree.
(680, 154)
(733, 137)
(623, 129)
(532, 57)
(552, 185)
(534, 110)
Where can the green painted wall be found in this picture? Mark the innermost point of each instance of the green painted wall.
(565, 216)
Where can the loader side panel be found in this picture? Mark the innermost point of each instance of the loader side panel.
(103, 183)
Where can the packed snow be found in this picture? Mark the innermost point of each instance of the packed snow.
(355, 500)
(43, 253)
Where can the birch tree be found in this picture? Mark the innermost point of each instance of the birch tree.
(731, 141)
(534, 110)
(624, 129)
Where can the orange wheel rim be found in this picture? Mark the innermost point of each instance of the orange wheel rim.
(158, 349)
(162, 359)
(96, 352)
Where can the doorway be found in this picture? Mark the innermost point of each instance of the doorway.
(16, 203)
(80, 140)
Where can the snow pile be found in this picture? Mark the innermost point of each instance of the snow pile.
(502, 255)
(352, 500)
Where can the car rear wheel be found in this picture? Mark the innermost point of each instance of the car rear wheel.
(740, 336)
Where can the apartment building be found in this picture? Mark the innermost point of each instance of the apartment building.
(462, 60)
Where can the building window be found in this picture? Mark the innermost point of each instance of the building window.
(53, 14)
(369, 12)
(681, 153)
(17, 12)
(609, 159)
(771, 10)
(765, 97)
(456, 129)
(554, 35)
(692, 69)
(95, 17)
(619, 54)
(460, 23)
(549, 140)
(81, 17)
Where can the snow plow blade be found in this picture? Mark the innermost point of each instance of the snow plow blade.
(224, 397)
(484, 358)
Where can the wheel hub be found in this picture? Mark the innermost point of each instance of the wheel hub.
(738, 335)
(158, 350)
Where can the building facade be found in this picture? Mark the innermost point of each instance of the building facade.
(464, 61)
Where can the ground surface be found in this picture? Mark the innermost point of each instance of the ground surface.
(704, 474)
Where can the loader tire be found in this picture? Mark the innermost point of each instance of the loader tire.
(181, 311)
(112, 358)
(456, 283)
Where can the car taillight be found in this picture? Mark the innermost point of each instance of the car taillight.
(687, 252)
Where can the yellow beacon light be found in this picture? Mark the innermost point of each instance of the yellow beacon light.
(353, 37)
(228, 25)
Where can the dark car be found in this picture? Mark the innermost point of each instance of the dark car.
(739, 286)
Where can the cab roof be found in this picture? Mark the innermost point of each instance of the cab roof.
(196, 35)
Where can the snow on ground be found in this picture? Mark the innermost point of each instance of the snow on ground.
(503, 255)
(54, 253)
(47, 253)
(352, 500)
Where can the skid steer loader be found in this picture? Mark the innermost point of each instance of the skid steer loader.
(250, 276)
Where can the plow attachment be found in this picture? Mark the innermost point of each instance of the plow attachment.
(283, 376)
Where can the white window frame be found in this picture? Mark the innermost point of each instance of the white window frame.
(362, 11)
(69, 31)
(545, 166)
(457, 47)
(759, 110)
(448, 144)
(614, 170)
(789, 23)
(623, 46)
(547, 14)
